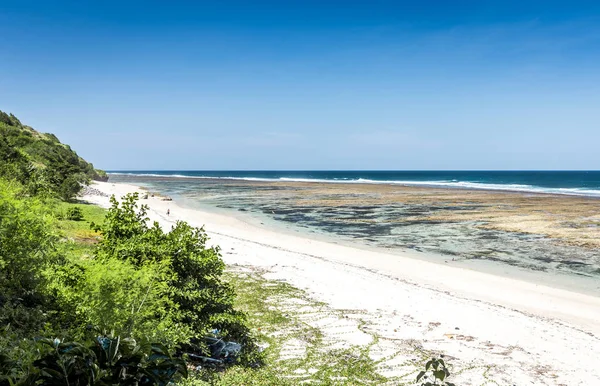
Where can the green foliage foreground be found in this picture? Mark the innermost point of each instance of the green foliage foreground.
(161, 289)
(108, 361)
(180, 278)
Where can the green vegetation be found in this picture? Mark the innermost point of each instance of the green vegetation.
(276, 316)
(74, 214)
(72, 272)
(40, 162)
(89, 296)
(108, 361)
(297, 352)
(435, 373)
(26, 252)
(102, 297)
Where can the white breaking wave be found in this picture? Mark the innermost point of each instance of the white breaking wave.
(195, 177)
(442, 183)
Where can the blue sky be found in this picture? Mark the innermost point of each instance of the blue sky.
(307, 84)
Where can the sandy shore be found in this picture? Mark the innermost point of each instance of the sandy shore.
(490, 327)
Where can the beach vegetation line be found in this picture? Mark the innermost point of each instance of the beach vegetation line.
(90, 296)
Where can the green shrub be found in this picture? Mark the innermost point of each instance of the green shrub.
(114, 295)
(74, 214)
(26, 250)
(182, 264)
(138, 281)
(27, 254)
(105, 361)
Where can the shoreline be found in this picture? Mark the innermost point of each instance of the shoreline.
(551, 240)
(533, 190)
(560, 280)
(543, 321)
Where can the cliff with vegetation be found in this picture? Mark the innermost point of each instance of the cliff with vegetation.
(41, 162)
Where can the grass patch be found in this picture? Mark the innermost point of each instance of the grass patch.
(295, 351)
(91, 214)
(78, 236)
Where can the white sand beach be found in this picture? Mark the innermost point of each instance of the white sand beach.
(489, 327)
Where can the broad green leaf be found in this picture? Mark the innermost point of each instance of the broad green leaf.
(428, 364)
(439, 374)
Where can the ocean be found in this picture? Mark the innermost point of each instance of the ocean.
(530, 223)
(586, 183)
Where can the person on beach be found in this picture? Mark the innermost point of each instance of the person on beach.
(168, 212)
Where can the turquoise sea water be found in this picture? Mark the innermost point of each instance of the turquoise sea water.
(395, 225)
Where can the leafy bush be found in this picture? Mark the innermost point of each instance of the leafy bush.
(26, 251)
(74, 214)
(27, 254)
(114, 295)
(138, 281)
(106, 361)
(185, 272)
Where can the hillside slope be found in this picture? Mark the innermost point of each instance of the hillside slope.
(40, 161)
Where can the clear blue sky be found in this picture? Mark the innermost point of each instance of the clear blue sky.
(309, 84)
